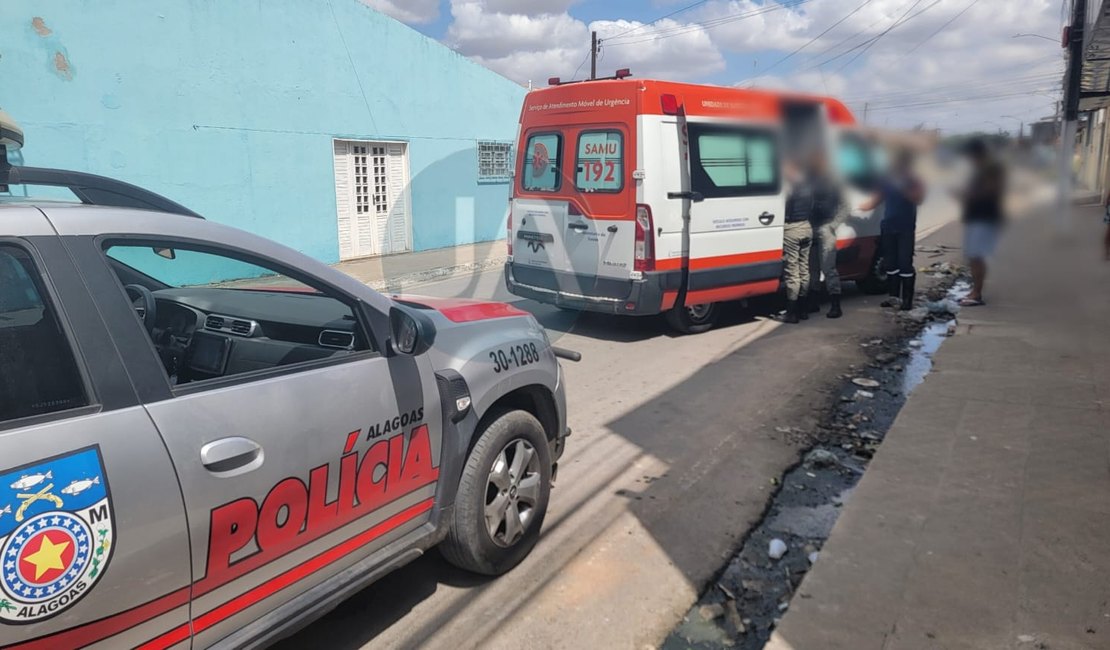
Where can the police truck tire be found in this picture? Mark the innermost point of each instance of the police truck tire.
(507, 475)
(693, 319)
(875, 283)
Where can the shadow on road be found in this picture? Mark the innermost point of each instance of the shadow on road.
(719, 462)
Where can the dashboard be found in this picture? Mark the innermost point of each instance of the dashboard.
(204, 332)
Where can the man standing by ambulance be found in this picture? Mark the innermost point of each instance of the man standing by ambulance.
(797, 238)
(901, 192)
(828, 211)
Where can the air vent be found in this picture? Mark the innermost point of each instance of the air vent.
(230, 325)
(337, 339)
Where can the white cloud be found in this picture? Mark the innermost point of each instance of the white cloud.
(533, 47)
(407, 11)
(527, 7)
(973, 58)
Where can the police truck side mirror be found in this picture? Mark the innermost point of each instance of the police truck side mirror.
(410, 332)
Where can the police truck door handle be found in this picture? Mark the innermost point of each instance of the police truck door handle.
(612, 228)
(231, 456)
(766, 218)
(577, 226)
(693, 197)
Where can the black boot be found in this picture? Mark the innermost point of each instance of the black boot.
(894, 290)
(803, 307)
(791, 314)
(907, 292)
(834, 309)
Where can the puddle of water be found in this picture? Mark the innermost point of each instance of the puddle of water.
(753, 591)
(920, 361)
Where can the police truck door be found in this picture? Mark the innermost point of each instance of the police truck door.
(736, 211)
(300, 452)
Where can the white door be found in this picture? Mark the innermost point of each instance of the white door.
(372, 199)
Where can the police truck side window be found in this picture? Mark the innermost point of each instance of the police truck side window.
(731, 161)
(856, 161)
(542, 159)
(38, 373)
(600, 165)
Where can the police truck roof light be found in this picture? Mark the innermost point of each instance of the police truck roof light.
(669, 104)
(624, 72)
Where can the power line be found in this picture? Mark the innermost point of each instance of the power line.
(939, 29)
(586, 58)
(816, 38)
(894, 26)
(954, 87)
(664, 17)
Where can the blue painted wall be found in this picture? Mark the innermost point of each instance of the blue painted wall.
(230, 107)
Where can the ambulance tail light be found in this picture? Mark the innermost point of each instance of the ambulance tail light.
(669, 104)
(644, 256)
(509, 229)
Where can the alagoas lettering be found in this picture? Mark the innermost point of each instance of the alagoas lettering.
(396, 424)
(293, 514)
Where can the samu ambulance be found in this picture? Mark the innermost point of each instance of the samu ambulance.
(644, 197)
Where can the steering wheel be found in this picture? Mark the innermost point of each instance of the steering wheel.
(148, 309)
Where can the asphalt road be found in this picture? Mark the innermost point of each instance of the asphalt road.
(671, 461)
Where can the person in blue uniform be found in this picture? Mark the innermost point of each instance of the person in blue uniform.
(900, 193)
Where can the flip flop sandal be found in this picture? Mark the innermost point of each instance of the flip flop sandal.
(971, 302)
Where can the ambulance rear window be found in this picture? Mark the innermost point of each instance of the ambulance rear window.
(542, 163)
(733, 161)
(600, 165)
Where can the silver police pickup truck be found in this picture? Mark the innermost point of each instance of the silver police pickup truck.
(209, 439)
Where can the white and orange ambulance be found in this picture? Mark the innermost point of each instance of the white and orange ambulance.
(643, 197)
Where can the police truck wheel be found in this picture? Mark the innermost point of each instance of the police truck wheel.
(502, 496)
(875, 282)
(693, 319)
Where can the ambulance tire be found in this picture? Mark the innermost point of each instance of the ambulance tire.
(875, 282)
(693, 320)
(469, 544)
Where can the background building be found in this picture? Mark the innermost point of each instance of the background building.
(324, 125)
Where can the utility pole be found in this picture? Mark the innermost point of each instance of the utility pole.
(1074, 43)
(593, 55)
(866, 106)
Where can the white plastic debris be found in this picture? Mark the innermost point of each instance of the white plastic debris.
(777, 549)
(1026, 638)
(865, 382)
(865, 394)
(916, 343)
(813, 557)
(821, 458)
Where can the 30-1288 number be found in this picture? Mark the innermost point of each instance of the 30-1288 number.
(514, 356)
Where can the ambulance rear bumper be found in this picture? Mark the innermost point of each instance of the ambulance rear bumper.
(587, 292)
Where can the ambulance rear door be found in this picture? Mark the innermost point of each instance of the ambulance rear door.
(736, 209)
(539, 215)
(600, 232)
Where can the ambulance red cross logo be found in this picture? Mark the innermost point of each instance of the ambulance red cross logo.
(56, 534)
(540, 159)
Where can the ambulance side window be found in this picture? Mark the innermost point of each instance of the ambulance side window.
(733, 161)
(857, 162)
(600, 164)
(542, 163)
(39, 374)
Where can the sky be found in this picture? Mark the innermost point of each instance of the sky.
(949, 64)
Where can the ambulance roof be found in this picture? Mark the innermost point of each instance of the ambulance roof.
(624, 99)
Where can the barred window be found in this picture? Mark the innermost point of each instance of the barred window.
(495, 161)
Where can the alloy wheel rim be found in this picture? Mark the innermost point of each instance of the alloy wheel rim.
(512, 492)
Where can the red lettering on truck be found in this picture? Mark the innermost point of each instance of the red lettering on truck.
(292, 514)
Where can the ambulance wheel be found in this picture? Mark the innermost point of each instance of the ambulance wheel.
(875, 282)
(693, 319)
(502, 496)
